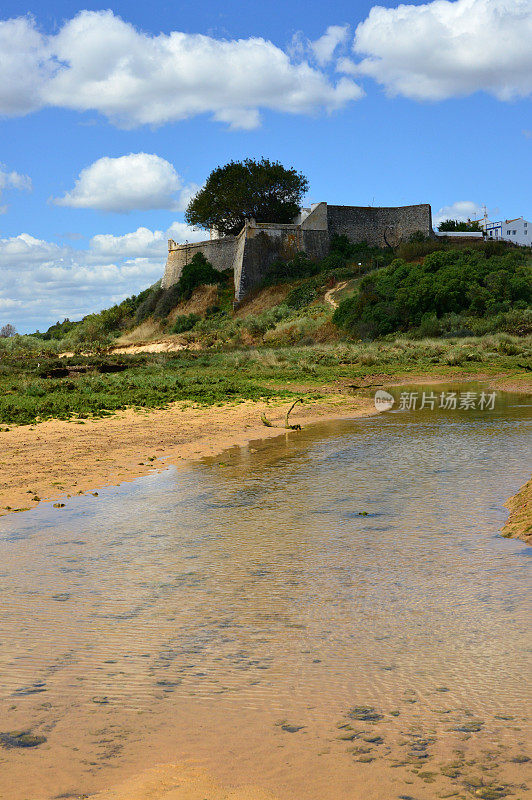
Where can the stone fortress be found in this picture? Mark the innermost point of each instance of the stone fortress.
(259, 244)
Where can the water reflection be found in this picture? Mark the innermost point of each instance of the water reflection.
(358, 559)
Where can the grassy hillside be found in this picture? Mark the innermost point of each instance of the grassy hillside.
(311, 329)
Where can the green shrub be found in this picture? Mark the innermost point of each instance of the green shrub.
(473, 283)
(418, 248)
(429, 326)
(301, 296)
(146, 308)
(166, 301)
(184, 322)
(258, 324)
(198, 272)
(90, 332)
(286, 271)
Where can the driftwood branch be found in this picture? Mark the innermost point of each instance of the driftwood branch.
(265, 421)
(286, 423)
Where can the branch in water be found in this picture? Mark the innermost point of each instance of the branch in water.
(266, 421)
(286, 424)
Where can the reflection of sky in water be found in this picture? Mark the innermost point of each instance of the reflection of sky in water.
(359, 553)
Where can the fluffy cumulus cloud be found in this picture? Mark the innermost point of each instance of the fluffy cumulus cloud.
(99, 62)
(12, 180)
(42, 282)
(138, 181)
(25, 66)
(447, 49)
(462, 210)
(325, 47)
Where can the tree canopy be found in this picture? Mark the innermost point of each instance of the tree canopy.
(262, 190)
(457, 225)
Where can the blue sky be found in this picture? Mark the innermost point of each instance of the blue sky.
(111, 119)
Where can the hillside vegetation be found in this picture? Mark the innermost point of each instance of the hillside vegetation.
(425, 308)
(449, 291)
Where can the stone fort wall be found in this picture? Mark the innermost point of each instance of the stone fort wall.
(262, 244)
(379, 227)
(258, 245)
(220, 252)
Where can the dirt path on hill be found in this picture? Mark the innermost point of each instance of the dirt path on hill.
(329, 295)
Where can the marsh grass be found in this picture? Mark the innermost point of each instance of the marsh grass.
(219, 376)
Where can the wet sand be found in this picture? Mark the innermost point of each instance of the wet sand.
(56, 459)
(519, 523)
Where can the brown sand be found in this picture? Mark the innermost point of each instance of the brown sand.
(519, 523)
(56, 459)
(179, 782)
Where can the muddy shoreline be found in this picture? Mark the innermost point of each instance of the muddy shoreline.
(519, 523)
(55, 460)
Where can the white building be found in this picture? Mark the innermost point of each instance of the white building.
(518, 231)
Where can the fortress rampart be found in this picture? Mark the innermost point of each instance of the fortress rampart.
(379, 227)
(258, 245)
(219, 252)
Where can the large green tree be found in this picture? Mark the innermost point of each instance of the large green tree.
(263, 190)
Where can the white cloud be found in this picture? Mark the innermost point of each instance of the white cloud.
(346, 65)
(462, 210)
(447, 49)
(26, 249)
(25, 66)
(41, 282)
(325, 47)
(98, 62)
(12, 180)
(138, 181)
(143, 241)
(181, 233)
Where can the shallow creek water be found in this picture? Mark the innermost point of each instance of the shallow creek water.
(328, 614)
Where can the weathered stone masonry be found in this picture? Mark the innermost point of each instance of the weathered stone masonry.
(379, 227)
(219, 252)
(258, 245)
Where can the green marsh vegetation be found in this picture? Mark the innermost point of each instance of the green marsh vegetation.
(40, 386)
(449, 311)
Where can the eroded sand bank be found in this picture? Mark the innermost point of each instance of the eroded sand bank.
(56, 459)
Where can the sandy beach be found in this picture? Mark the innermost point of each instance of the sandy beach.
(56, 459)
